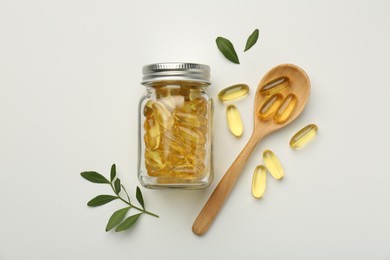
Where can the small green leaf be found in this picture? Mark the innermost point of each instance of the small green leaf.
(117, 186)
(101, 200)
(140, 197)
(252, 39)
(94, 177)
(227, 49)
(113, 172)
(130, 221)
(116, 218)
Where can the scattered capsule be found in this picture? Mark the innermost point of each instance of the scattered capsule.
(273, 164)
(234, 120)
(275, 86)
(285, 110)
(258, 181)
(148, 110)
(303, 136)
(270, 106)
(233, 92)
(163, 116)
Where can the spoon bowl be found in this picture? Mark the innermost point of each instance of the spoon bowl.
(296, 84)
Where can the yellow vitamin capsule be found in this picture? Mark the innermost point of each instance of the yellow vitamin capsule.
(233, 92)
(258, 181)
(285, 110)
(169, 102)
(199, 105)
(273, 164)
(303, 136)
(163, 116)
(172, 143)
(152, 133)
(154, 160)
(197, 157)
(185, 170)
(148, 110)
(275, 86)
(176, 158)
(270, 106)
(191, 120)
(234, 120)
(189, 135)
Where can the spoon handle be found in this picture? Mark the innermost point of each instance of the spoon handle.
(225, 186)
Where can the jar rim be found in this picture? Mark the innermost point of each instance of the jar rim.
(172, 71)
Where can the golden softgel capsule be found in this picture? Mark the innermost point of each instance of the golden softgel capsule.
(273, 164)
(259, 181)
(303, 136)
(286, 108)
(175, 127)
(233, 92)
(275, 86)
(234, 120)
(270, 106)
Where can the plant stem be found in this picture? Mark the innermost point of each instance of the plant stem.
(123, 187)
(131, 205)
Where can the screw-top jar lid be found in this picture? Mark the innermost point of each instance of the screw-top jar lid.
(176, 71)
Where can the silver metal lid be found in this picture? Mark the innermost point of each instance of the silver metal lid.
(176, 71)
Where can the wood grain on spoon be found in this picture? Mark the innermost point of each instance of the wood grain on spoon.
(299, 85)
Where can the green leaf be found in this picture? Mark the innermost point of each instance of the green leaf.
(227, 49)
(94, 177)
(140, 197)
(101, 200)
(252, 39)
(113, 172)
(130, 221)
(117, 185)
(116, 218)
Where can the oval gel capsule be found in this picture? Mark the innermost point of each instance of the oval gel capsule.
(275, 86)
(303, 136)
(163, 116)
(259, 181)
(152, 133)
(234, 120)
(273, 164)
(270, 106)
(233, 92)
(148, 110)
(286, 108)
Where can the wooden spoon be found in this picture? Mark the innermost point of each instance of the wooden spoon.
(299, 85)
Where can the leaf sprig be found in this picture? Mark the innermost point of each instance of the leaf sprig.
(117, 219)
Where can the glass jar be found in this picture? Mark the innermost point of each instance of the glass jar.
(175, 127)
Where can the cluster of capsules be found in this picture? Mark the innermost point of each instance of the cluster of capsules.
(176, 133)
(278, 106)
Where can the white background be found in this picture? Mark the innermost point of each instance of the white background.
(69, 82)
